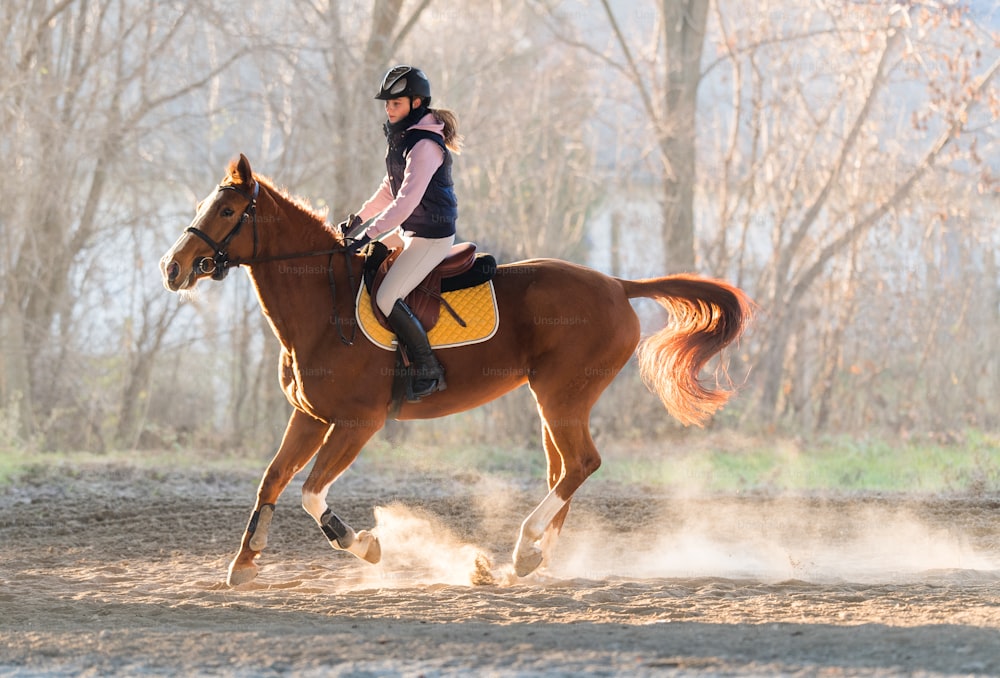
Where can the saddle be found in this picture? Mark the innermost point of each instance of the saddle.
(462, 268)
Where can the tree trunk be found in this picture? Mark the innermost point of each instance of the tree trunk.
(15, 387)
(684, 38)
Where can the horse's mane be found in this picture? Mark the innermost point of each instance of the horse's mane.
(301, 205)
(239, 173)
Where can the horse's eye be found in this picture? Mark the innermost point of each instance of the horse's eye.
(228, 212)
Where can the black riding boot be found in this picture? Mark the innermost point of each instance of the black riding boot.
(427, 373)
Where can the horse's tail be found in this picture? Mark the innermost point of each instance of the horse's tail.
(706, 316)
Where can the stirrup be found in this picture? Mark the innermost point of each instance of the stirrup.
(431, 385)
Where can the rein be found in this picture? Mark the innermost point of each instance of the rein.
(219, 263)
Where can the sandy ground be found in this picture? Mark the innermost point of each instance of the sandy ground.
(116, 571)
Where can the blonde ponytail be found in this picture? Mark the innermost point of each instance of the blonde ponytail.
(452, 139)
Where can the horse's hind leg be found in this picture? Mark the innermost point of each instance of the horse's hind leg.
(572, 458)
(302, 438)
(554, 474)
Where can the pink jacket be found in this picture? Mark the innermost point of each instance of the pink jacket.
(421, 163)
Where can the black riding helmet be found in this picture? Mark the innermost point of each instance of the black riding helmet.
(405, 81)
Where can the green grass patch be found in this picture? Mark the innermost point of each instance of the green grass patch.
(16, 465)
(712, 462)
(430, 459)
(839, 464)
(11, 463)
(728, 463)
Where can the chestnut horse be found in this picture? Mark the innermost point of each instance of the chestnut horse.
(565, 330)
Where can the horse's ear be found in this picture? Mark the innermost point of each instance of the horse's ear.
(239, 171)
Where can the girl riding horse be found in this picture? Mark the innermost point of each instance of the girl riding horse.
(416, 204)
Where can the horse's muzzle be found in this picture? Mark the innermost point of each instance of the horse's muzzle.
(170, 269)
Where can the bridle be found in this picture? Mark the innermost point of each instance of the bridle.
(220, 262)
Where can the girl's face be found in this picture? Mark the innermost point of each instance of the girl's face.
(397, 109)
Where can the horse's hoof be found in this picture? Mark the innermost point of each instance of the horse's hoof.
(368, 547)
(241, 575)
(527, 560)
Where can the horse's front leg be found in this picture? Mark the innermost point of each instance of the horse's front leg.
(338, 452)
(303, 436)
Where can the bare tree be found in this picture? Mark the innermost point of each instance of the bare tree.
(665, 74)
(84, 79)
(839, 155)
(818, 161)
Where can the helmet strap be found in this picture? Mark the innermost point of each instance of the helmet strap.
(411, 119)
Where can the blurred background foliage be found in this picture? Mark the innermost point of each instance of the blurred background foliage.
(838, 160)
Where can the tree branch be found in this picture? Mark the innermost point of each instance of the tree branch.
(806, 279)
(633, 70)
(815, 208)
(410, 23)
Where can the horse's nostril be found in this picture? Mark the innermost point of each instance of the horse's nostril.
(173, 270)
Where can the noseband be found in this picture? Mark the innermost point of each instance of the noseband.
(220, 263)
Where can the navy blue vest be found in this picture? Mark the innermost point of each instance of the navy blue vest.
(437, 212)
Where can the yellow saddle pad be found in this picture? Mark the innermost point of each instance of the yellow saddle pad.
(477, 306)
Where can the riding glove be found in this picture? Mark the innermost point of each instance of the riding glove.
(356, 244)
(349, 224)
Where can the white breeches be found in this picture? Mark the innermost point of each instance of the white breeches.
(418, 258)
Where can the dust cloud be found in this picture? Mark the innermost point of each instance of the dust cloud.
(772, 541)
(820, 543)
(419, 549)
